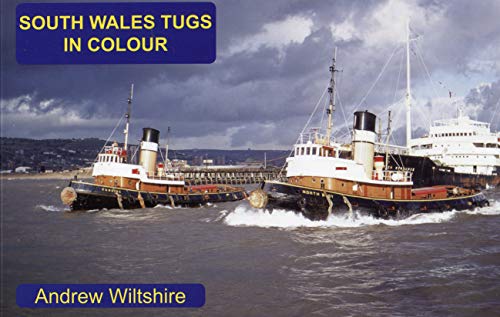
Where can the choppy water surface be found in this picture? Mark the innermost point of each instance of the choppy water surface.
(254, 263)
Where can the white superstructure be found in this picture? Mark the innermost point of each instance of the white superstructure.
(111, 163)
(313, 158)
(316, 155)
(467, 145)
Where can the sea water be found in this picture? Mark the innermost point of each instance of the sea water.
(254, 262)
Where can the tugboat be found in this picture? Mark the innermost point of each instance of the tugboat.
(319, 180)
(120, 184)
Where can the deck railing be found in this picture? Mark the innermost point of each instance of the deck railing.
(392, 176)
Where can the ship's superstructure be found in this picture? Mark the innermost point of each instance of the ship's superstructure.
(111, 168)
(316, 160)
(317, 165)
(467, 145)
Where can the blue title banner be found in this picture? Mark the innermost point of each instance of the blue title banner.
(109, 295)
(116, 33)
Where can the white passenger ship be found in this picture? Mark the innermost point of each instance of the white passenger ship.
(466, 145)
(457, 151)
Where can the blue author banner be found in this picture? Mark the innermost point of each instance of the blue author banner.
(116, 33)
(109, 295)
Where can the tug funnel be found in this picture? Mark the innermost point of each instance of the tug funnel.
(364, 139)
(149, 149)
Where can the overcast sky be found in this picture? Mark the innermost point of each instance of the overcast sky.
(271, 70)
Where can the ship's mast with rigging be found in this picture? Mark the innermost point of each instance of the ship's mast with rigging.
(408, 89)
(389, 121)
(331, 92)
(127, 116)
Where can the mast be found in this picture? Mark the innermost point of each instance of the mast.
(168, 142)
(408, 89)
(389, 121)
(379, 136)
(127, 115)
(331, 92)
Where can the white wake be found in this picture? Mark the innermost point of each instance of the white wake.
(244, 215)
(51, 208)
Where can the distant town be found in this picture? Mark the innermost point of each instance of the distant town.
(19, 155)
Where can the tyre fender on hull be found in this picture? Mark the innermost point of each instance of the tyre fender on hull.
(258, 199)
(68, 195)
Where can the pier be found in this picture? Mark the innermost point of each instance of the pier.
(235, 176)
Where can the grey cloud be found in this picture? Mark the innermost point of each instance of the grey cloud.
(485, 101)
(257, 98)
